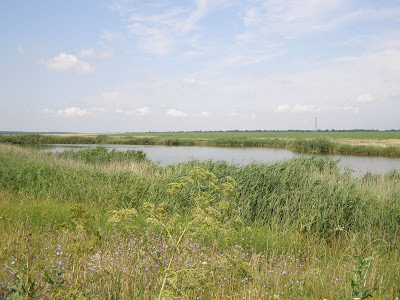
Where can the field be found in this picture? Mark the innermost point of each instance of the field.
(374, 143)
(98, 224)
(350, 136)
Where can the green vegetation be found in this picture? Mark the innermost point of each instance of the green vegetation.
(107, 224)
(376, 143)
(101, 155)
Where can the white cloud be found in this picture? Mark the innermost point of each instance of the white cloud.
(69, 63)
(282, 108)
(351, 109)
(290, 17)
(160, 33)
(203, 114)
(143, 111)
(294, 18)
(365, 98)
(176, 113)
(195, 16)
(297, 108)
(152, 39)
(72, 112)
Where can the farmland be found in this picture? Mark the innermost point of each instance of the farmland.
(104, 224)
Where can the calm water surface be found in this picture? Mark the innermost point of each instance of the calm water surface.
(168, 155)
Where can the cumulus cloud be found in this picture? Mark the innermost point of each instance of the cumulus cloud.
(297, 108)
(69, 63)
(176, 113)
(143, 111)
(72, 112)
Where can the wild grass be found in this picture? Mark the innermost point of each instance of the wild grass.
(373, 143)
(102, 155)
(300, 229)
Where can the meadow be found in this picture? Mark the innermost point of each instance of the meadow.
(102, 224)
(373, 143)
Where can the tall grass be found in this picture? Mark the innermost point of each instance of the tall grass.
(326, 142)
(90, 224)
(308, 194)
(102, 155)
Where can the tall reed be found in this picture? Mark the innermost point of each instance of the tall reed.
(78, 227)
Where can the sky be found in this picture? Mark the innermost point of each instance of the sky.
(185, 65)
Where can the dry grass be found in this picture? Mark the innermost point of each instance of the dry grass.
(74, 134)
(371, 142)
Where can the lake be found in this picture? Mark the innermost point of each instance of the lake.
(168, 155)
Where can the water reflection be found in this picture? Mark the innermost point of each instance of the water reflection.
(168, 155)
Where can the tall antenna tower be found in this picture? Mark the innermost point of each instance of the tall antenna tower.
(316, 127)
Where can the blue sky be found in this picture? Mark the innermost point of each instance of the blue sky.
(130, 65)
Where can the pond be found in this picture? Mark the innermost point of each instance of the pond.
(167, 155)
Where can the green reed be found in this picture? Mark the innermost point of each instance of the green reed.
(325, 142)
(78, 227)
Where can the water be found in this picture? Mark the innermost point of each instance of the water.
(168, 155)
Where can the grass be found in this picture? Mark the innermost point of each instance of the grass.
(75, 226)
(376, 143)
